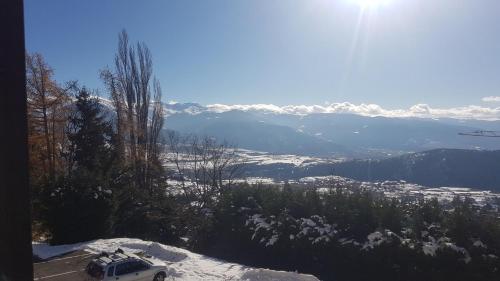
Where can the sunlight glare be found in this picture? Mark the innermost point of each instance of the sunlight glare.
(370, 3)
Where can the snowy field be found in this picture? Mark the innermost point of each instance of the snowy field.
(403, 189)
(258, 158)
(392, 189)
(181, 264)
(265, 158)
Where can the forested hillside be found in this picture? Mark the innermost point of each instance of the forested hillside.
(434, 168)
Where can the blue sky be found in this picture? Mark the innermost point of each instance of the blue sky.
(443, 53)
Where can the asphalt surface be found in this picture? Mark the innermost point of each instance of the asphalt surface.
(70, 266)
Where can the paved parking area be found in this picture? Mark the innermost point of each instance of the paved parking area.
(70, 266)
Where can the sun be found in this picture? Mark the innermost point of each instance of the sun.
(370, 3)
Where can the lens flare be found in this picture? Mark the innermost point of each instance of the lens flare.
(371, 3)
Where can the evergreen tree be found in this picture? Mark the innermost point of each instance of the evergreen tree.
(90, 136)
(79, 207)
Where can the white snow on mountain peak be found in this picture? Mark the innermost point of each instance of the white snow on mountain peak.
(473, 112)
(363, 109)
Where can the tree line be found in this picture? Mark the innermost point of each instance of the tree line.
(345, 233)
(97, 166)
(89, 160)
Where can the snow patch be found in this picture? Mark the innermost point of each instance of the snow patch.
(479, 243)
(181, 264)
(374, 239)
(269, 275)
(432, 246)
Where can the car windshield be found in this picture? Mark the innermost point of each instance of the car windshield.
(95, 270)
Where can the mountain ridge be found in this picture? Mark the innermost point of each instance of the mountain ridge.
(331, 134)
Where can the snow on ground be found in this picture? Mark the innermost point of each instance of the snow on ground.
(45, 251)
(266, 158)
(403, 189)
(255, 180)
(181, 264)
(257, 157)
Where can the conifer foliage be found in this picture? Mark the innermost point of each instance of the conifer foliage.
(77, 206)
(90, 136)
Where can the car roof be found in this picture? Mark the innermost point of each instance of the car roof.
(106, 259)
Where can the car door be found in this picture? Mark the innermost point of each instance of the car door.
(141, 270)
(132, 271)
(146, 270)
(125, 272)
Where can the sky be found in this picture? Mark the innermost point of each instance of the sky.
(398, 54)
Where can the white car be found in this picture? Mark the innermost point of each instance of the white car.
(125, 267)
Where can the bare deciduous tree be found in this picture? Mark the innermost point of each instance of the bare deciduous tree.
(117, 100)
(139, 119)
(203, 166)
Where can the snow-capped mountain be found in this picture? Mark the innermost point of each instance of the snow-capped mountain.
(319, 132)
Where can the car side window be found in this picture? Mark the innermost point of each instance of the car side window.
(138, 266)
(124, 268)
(142, 265)
(111, 270)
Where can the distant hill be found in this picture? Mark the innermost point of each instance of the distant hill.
(247, 131)
(478, 169)
(329, 134)
(439, 167)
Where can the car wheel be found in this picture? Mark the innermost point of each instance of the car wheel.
(159, 277)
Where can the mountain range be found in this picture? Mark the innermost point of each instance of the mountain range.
(340, 135)
(425, 151)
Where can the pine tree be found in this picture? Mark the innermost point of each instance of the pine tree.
(78, 207)
(90, 136)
